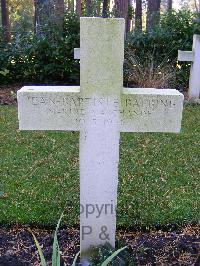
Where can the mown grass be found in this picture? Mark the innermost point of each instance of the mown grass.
(159, 174)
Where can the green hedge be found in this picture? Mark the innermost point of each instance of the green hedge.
(47, 58)
(159, 47)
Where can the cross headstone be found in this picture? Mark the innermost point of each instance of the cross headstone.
(100, 109)
(194, 57)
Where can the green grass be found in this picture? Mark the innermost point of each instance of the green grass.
(159, 174)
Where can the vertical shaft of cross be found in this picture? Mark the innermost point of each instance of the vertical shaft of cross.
(194, 86)
(102, 52)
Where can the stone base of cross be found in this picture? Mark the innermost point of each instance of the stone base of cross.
(194, 57)
(100, 109)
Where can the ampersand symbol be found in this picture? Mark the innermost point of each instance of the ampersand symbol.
(103, 235)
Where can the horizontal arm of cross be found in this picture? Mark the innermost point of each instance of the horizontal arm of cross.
(187, 56)
(63, 108)
(76, 53)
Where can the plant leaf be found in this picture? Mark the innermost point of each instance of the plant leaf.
(4, 72)
(109, 259)
(56, 249)
(42, 259)
(56, 252)
(75, 259)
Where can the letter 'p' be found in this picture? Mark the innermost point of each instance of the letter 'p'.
(86, 230)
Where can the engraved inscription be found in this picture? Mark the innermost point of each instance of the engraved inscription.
(75, 107)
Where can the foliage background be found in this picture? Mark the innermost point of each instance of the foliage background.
(48, 58)
(158, 50)
(41, 59)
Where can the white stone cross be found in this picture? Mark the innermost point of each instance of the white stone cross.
(194, 57)
(100, 109)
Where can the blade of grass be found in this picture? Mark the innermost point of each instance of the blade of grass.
(56, 249)
(56, 253)
(75, 259)
(42, 259)
(109, 259)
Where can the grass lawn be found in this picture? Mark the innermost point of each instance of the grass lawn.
(159, 174)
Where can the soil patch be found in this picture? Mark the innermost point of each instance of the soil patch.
(154, 248)
(8, 94)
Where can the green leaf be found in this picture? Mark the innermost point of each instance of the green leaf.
(42, 259)
(75, 259)
(56, 249)
(56, 252)
(4, 72)
(109, 259)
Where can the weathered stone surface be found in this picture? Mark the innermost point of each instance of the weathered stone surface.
(101, 78)
(48, 108)
(194, 84)
(64, 108)
(76, 53)
(186, 56)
